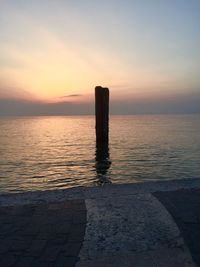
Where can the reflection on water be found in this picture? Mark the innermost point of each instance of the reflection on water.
(45, 153)
(103, 163)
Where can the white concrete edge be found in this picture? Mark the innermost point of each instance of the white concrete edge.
(123, 229)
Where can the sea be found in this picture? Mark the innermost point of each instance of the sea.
(48, 153)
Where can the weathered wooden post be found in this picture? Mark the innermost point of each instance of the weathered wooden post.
(102, 134)
(102, 115)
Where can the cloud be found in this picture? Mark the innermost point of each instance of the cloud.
(7, 92)
(20, 107)
(174, 104)
(74, 95)
(185, 103)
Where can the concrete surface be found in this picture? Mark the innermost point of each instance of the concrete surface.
(133, 230)
(126, 224)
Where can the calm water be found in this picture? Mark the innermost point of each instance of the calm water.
(39, 153)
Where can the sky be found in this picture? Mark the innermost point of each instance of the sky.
(53, 54)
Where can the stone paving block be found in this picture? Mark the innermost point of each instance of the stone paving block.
(5, 245)
(79, 217)
(50, 253)
(66, 215)
(39, 219)
(71, 249)
(141, 259)
(59, 239)
(6, 228)
(46, 235)
(46, 228)
(25, 262)
(171, 257)
(22, 221)
(42, 263)
(63, 228)
(68, 205)
(39, 211)
(17, 210)
(51, 221)
(77, 233)
(36, 248)
(4, 211)
(53, 206)
(37, 235)
(31, 230)
(79, 205)
(63, 261)
(185, 211)
(8, 259)
(188, 216)
(19, 245)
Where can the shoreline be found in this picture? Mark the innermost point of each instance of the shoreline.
(58, 195)
(150, 224)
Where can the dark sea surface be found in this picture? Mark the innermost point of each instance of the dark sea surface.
(40, 153)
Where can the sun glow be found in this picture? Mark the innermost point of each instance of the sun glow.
(63, 59)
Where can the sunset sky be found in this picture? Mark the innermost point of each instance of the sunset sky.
(145, 51)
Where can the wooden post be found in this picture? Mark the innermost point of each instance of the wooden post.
(102, 115)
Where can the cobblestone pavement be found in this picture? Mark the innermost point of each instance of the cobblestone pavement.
(184, 206)
(42, 234)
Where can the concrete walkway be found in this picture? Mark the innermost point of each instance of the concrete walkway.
(151, 224)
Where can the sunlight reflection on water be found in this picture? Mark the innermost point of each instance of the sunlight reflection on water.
(39, 153)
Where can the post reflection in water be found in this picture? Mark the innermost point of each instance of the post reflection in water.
(103, 163)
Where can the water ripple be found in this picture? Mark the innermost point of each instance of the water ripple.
(42, 153)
